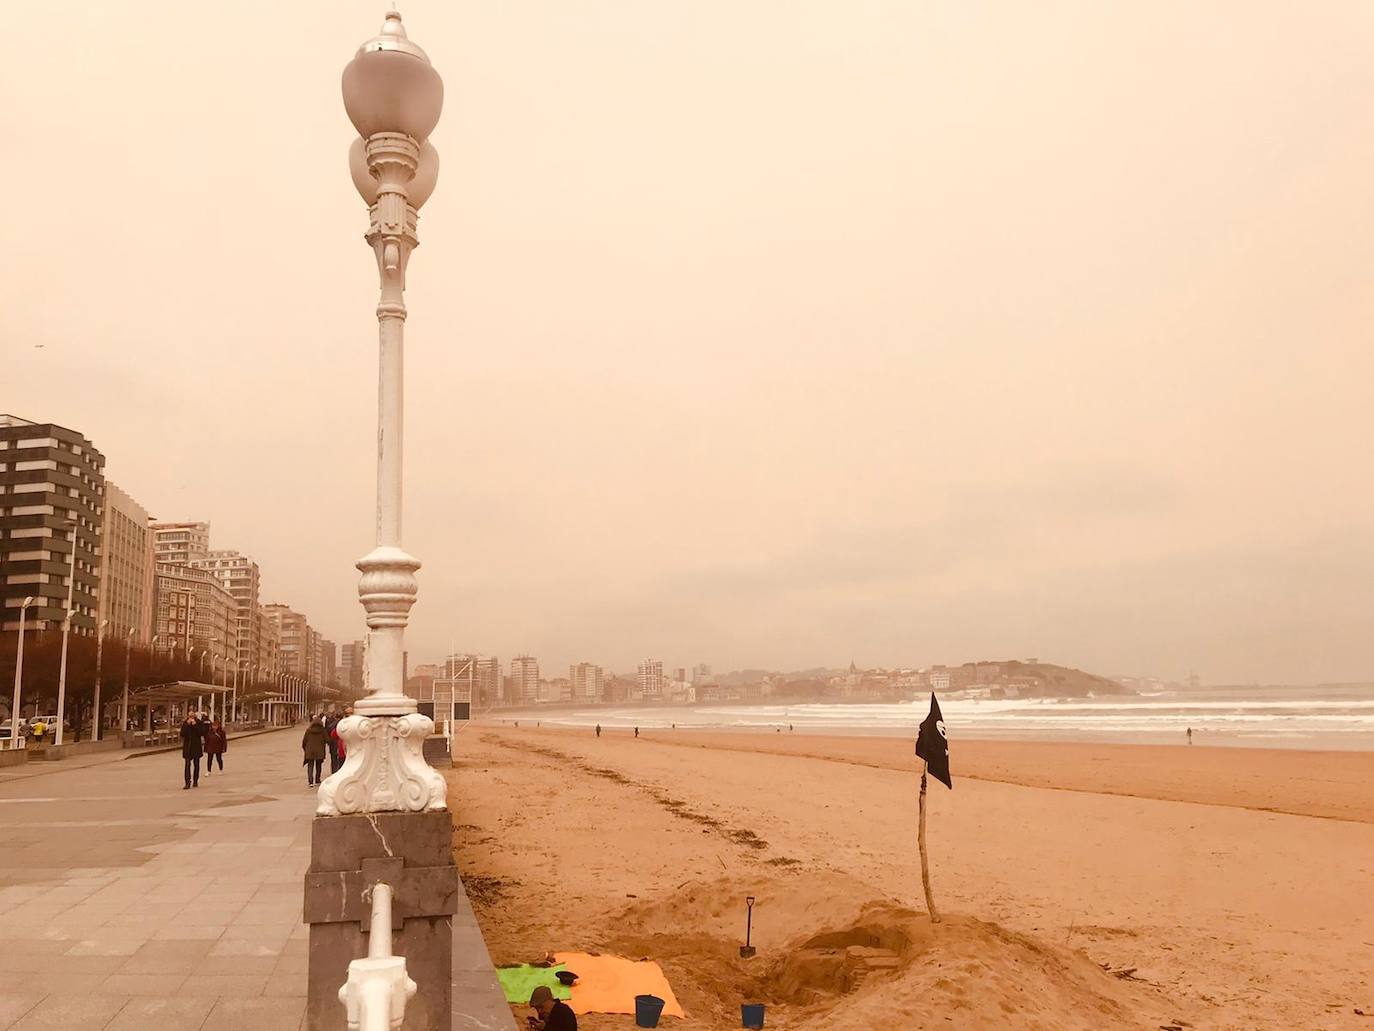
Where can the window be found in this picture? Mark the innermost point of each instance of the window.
(27, 578)
(34, 488)
(33, 510)
(30, 556)
(40, 463)
(31, 531)
(37, 442)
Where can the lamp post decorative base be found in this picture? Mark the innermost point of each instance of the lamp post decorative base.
(384, 769)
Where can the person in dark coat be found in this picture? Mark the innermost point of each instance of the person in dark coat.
(216, 744)
(192, 748)
(313, 747)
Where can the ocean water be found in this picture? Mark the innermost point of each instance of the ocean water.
(1338, 716)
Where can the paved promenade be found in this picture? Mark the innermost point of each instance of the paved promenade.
(129, 904)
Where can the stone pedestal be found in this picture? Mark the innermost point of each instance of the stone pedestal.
(413, 852)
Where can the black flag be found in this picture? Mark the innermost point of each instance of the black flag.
(932, 746)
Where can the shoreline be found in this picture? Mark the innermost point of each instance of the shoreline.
(1332, 784)
(1301, 782)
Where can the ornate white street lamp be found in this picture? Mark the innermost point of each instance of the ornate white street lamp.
(393, 97)
(18, 676)
(99, 654)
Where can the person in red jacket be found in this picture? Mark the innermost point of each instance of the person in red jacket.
(337, 751)
(216, 744)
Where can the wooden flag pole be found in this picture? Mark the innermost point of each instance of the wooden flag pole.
(925, 861)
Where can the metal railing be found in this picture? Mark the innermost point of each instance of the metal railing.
(377, 989)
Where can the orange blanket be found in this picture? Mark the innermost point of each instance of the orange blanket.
(609, 984)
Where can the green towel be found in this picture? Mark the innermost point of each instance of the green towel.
(519, 982)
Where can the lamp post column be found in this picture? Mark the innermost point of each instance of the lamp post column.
(99, 656)
(18, 675)
(393, 97)
(386, 801)
(66, 629)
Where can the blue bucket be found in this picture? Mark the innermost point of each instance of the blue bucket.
(751, 1014)
(648, 1008)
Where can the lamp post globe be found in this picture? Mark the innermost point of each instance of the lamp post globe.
(390, 86)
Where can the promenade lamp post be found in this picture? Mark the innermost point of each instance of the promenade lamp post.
(393, 97)
(99, 655)
(152, 659)
(66, 629)
(124, 702)
(18, 675)
(381, 819)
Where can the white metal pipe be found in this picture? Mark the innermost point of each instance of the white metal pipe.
(379, 934)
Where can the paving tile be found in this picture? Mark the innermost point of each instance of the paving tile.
(226, 986)
(106, 947)
(218, 965)
(12, 1007)
(166, 958)
(256, 945)
(276, 1014)
(282, 983)
(202, 933)
(142, 984)
(65, 1012)
(181, 1013)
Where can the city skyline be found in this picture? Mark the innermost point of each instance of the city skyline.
(872, 387)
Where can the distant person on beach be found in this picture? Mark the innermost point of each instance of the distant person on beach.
(1190, 735)
(553, 1015)
(216, 744)
(192, 748)
(313, 749)
(598, 730)
(636, 732)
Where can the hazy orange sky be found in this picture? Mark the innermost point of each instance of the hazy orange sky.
(765, 333)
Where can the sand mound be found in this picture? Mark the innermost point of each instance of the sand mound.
(829, 959)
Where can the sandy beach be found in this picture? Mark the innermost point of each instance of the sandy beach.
(1082, 886)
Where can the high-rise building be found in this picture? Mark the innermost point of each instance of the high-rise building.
(127, 570)
(50, 478)
(353, 666)
(240, 576)
(482, 671)
(588, 682)
(181, 543)
(701, 672)
(269, 638)
(194, 610)
(524, 672)
(651, 680)
(296, 641)
(329, 661)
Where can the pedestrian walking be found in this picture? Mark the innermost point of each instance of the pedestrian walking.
(330, 722)
(216, 744)
(192, 748)
(313, 748)
(598, 730)
(636, 732)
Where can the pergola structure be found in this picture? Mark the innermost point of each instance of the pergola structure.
(181, 693)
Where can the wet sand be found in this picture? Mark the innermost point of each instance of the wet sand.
(1050, 863)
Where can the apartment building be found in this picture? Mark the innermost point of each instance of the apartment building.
(52, 486)
(128, 572)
